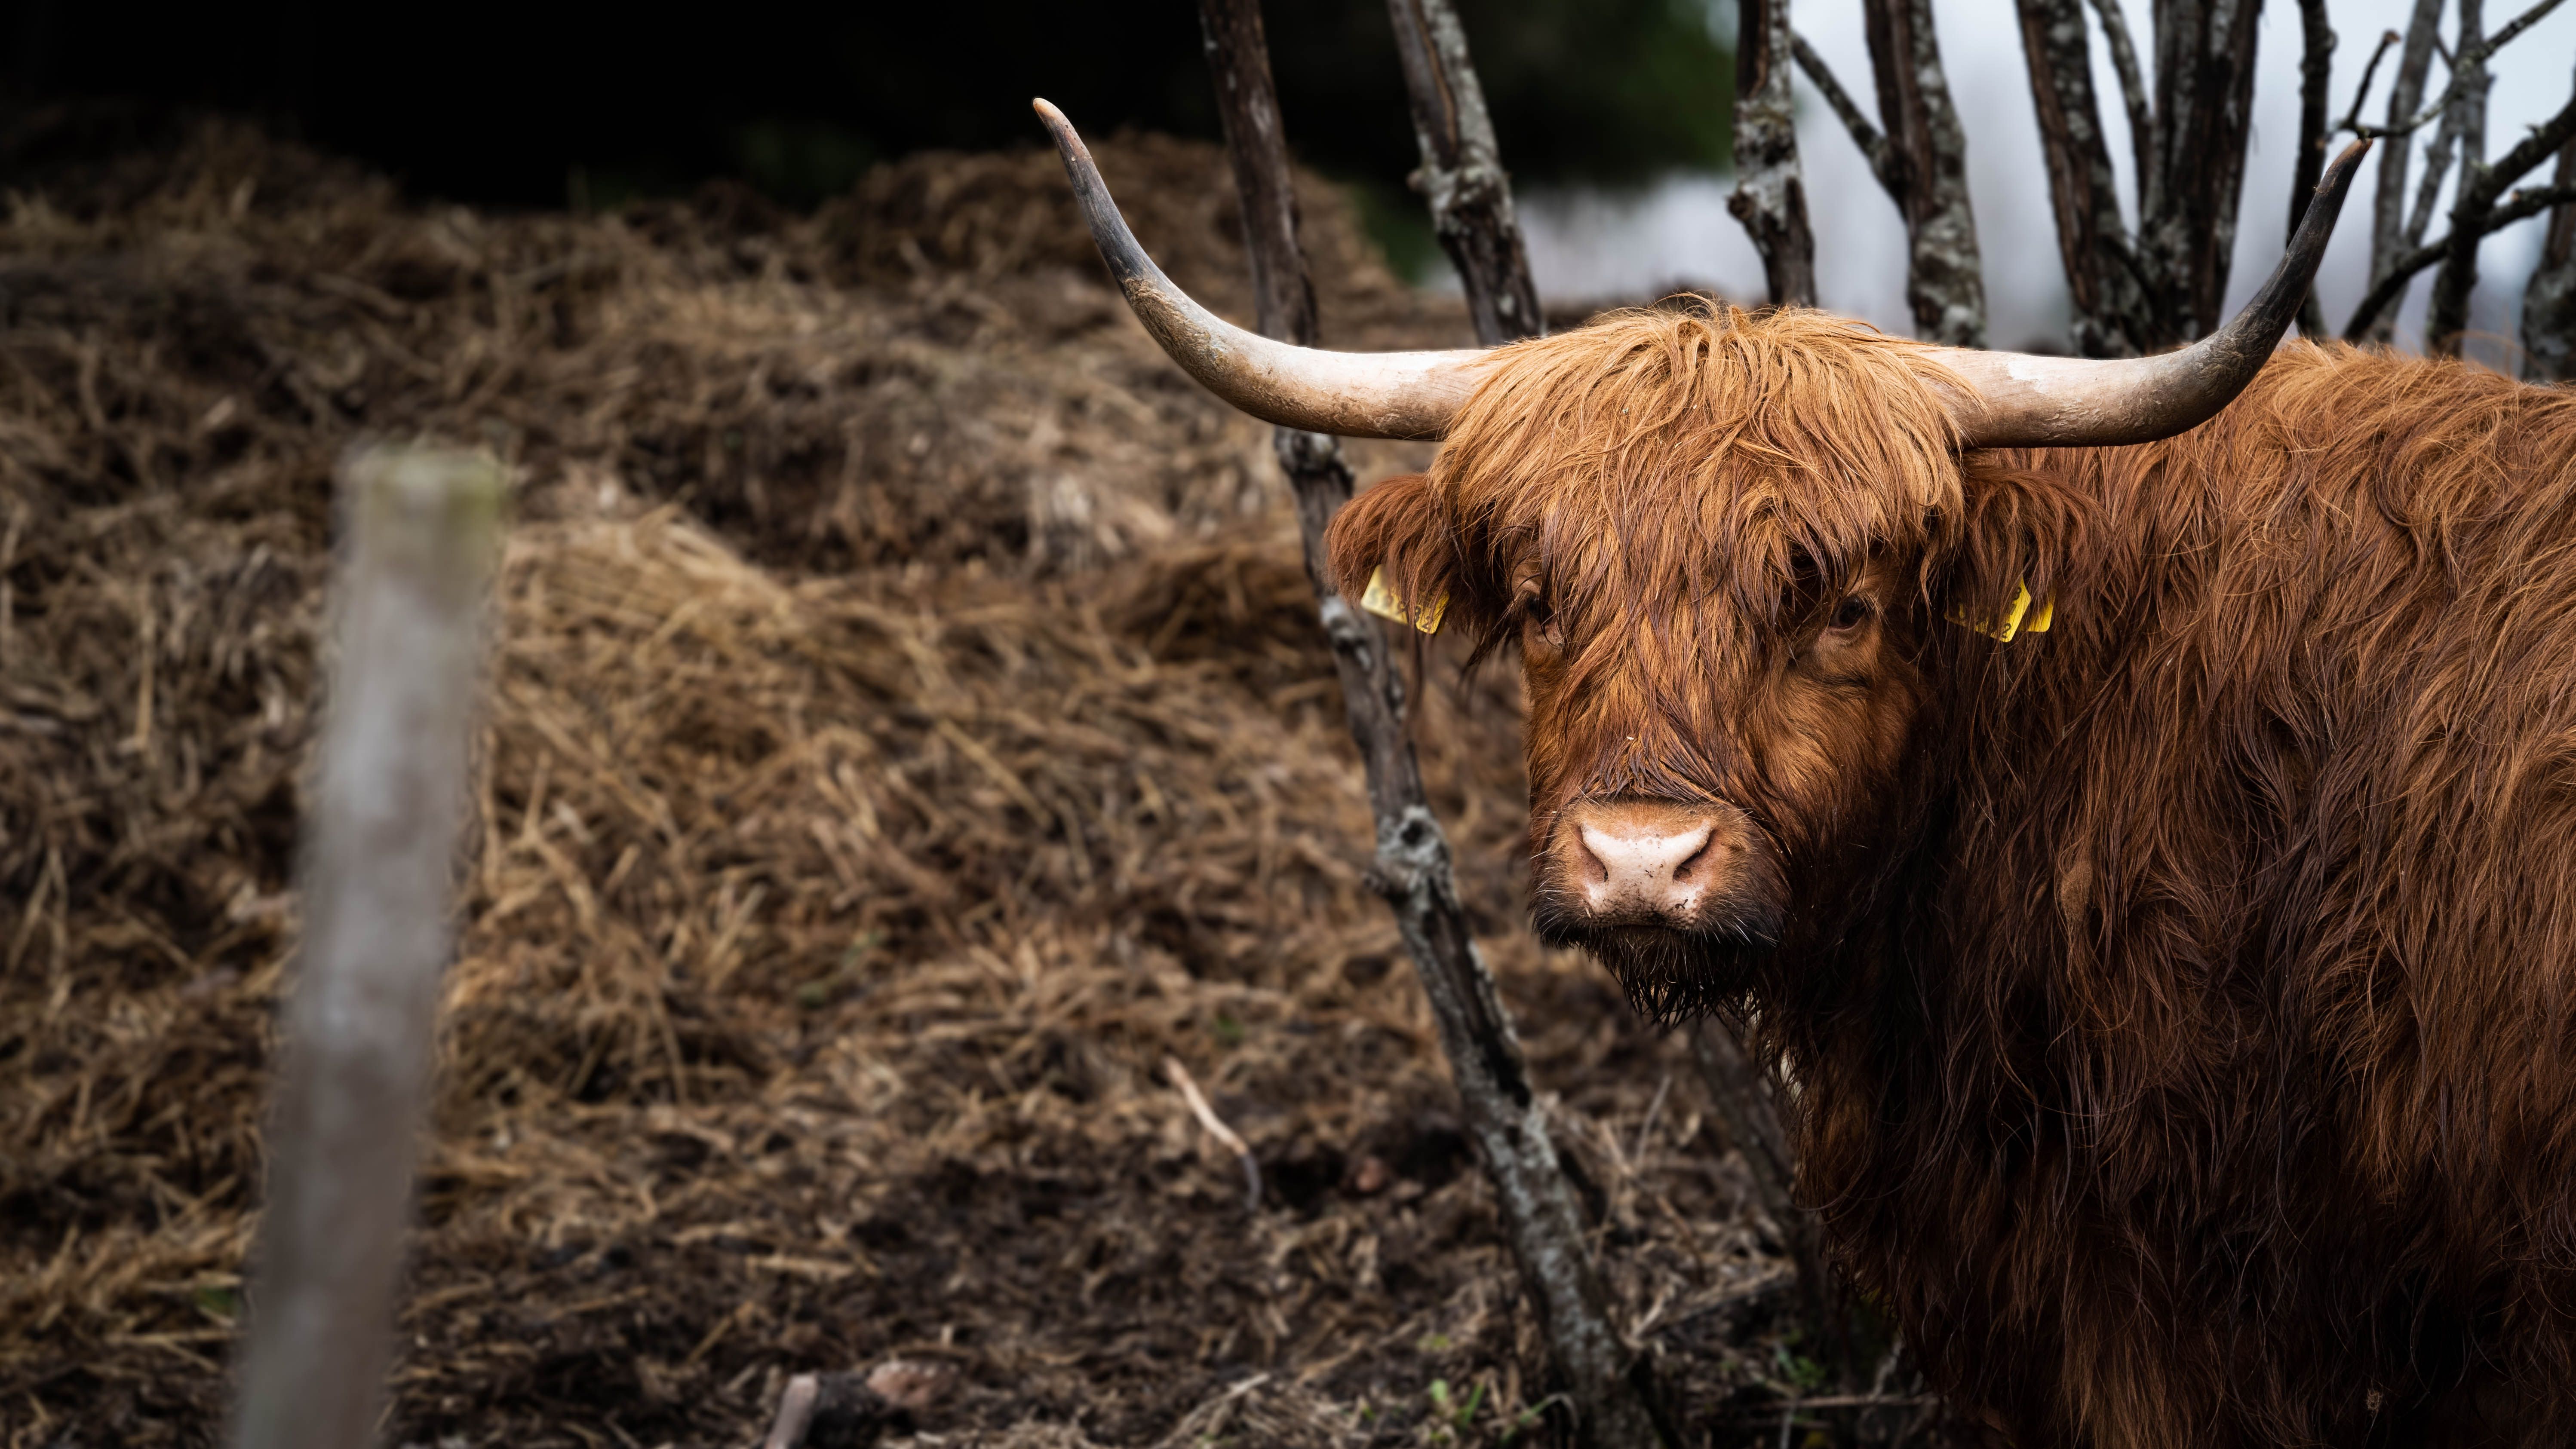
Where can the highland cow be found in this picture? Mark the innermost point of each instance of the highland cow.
(2147, 838)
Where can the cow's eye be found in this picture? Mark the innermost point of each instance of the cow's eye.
(1851, 613)
(1537, 616)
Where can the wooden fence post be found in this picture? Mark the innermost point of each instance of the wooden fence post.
(378, 863)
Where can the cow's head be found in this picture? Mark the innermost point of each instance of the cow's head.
(1713, 542)
(1719, 543)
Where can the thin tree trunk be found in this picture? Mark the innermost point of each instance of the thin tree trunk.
(2133, 96)
(2316, 81)
(2549, 302)
(1944, 278)
(378, 859)
(1462, 174)
(2473, 80)
(2388, 244)
(2110, 317)
(2464, 120)
(1604, 1380)
(2464, 123)
(2428, 188)
(2473, 216)
(1770, 195)
(2204, 86)
(1238, 57)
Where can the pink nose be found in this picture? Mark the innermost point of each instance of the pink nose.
(1655, 860)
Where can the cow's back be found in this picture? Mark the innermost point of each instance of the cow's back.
(2254, 927)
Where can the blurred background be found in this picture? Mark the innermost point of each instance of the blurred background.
(908, 731)
(519, 106)
(1613, 116)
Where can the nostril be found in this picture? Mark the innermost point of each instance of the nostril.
(1596, 871)
(1697, 856)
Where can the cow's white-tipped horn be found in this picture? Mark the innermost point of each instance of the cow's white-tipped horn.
(1355, 394)
(2022, 401)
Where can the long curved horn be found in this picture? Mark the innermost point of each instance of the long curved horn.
(2022, 401)
(1355, 394)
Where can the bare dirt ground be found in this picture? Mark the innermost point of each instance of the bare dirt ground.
(908, 730)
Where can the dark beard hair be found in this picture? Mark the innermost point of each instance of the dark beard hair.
(1669, 975)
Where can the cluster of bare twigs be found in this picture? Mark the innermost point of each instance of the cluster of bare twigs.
(2480, 202)
(2189, 124)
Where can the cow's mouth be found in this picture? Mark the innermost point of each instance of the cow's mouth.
(1669, 973)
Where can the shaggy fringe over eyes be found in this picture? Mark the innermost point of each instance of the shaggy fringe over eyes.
(1698, 448)
(1678, 486)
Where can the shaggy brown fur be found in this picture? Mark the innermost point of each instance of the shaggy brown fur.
(2183, 1001)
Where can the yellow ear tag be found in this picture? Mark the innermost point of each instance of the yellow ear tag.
(2013, 621)
(1380, 600)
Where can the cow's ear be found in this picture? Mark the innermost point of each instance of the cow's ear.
(2021, 528)
(1400, 532)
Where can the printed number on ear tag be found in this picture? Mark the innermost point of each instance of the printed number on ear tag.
(2019, 618)
(1380, 600)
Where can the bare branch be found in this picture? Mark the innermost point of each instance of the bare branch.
(2133, 95)
(2463, 122)
(2526, 156)
(2467, 71)
(2514, 27)
(2448, 314)
(2428, 189)
(2532, 201)
(1840, 1401)
(2352, 118)
(2549, 299)
(422, 532)
(1873, 146)
(1216, 1128)
(2316, 80)
(2525, 204)
(2471, 81)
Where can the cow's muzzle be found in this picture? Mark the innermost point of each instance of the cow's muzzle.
(1668, 894)
(1693, 866)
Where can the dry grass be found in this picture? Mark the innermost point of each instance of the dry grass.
(908, 728)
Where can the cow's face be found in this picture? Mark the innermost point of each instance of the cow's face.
(1712, 560)
(1693, 776)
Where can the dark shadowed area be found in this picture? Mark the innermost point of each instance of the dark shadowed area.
(538, 106)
